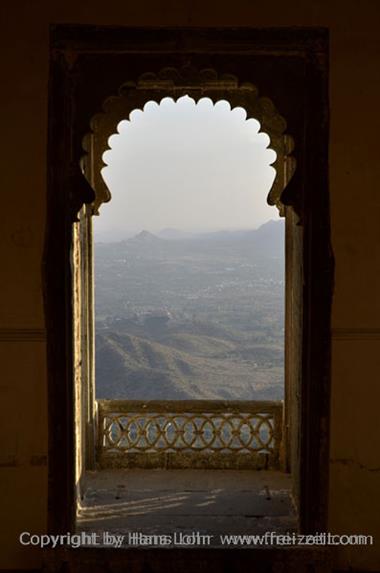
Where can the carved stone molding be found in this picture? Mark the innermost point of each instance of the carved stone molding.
(175, 83)
(356, 333)
(22, 334)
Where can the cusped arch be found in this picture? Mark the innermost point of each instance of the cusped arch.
(175, 83)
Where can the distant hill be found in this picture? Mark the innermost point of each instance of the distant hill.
(130, 367)
(266, 241)
(270, 237)
(271, 232)
(144, 237)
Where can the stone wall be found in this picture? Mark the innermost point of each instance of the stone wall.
(355, 202)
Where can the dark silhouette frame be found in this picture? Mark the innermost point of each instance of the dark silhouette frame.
(87, 65)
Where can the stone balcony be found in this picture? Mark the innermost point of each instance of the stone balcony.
(196, 434)
(183, 466)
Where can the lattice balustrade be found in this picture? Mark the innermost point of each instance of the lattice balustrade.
(202, 433)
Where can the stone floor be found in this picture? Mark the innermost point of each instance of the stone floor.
(184, 502)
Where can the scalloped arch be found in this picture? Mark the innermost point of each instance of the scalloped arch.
(174, 83)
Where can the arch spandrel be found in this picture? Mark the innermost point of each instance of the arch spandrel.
(175, 83)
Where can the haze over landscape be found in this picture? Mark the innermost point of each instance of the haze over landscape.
(189, 258)
(193, 167)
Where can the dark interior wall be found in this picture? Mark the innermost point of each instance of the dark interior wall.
(355, 202)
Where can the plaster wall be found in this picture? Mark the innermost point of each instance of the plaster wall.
(355, 204)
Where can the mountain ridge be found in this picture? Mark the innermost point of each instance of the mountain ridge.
(136, 368)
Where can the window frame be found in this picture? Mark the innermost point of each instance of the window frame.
(74, 97)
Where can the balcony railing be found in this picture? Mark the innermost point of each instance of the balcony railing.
(189, 434)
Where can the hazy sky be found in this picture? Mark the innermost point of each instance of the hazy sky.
(193, 167)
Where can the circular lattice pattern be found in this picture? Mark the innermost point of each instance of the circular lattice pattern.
(152, 432)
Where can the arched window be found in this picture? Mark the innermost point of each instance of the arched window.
(215, 175)
(74, 200)
(251, 448)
